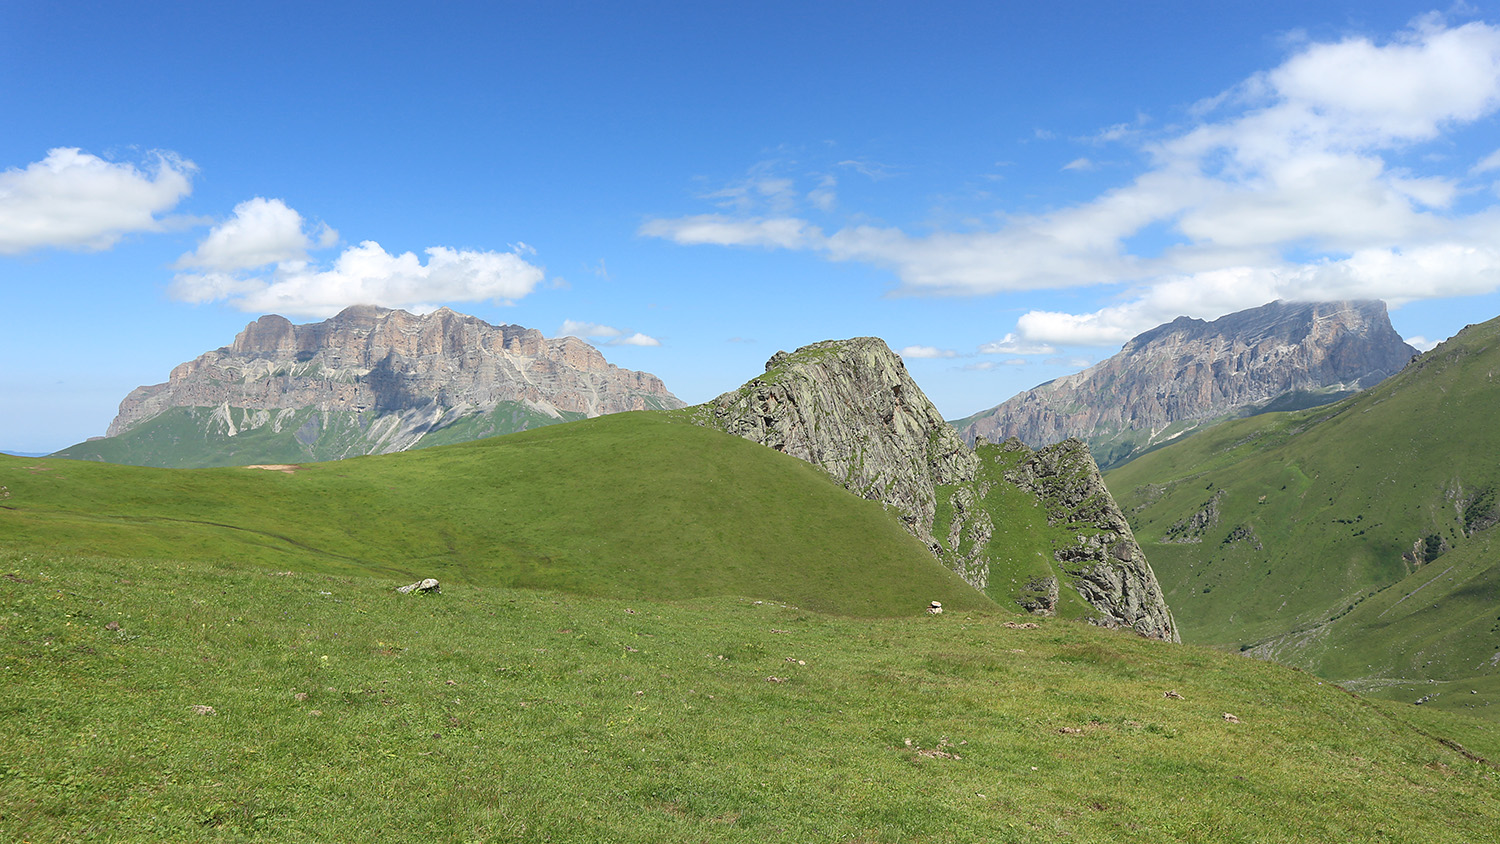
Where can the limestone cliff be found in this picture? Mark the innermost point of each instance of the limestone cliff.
(850, 408)
(387, 380)
(1190, 373)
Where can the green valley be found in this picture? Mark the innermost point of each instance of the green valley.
(1352, 539)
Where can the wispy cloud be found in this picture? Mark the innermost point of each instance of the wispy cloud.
(1288, 185)
(925, 352)
(74, 200)
(606, 335)
(1010, 344)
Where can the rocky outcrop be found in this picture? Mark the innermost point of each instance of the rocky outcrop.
(850, 408)
(401, 376)
(1105, 563)
(1189, 373)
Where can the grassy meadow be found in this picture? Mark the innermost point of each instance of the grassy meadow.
(648, 631)
(633, 504)
(157, 700)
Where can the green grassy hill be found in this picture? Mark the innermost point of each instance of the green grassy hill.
(648, 631)
(639, 504)
(333, 709)
(1352, 539)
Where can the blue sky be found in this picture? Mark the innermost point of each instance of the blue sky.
(1003, 193)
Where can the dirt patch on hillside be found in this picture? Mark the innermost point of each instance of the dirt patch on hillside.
(276, 467)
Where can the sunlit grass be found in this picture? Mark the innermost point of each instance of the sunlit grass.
(342, 711)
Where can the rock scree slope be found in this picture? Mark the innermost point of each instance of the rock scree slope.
(1016, 524)
(367, 381)
(1189, 373)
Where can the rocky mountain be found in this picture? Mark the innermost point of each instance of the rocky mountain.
(1357, 540)
(1035, 528)
(367, 381)
(1188, 374)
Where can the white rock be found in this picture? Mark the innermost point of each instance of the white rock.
(428, 585)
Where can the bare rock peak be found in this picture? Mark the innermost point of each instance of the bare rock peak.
(417, 372)
(1190, 372)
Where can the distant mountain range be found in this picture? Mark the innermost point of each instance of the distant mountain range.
(1357, 540)
(1189, 374)
(367, 381)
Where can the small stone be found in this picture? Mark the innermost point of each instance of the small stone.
(1172, 694)
(428, 585)
(1230, 718)
(200, 709)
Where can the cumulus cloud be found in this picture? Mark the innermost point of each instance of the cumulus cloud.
(1420, 343)
(74, 200)
(608, 335)
(262, 231)
(1286, 186)
(922, 352)
(367, 274)
(1010, 344)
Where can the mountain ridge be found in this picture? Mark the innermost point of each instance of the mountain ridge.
(369, 380)
(1189, 373)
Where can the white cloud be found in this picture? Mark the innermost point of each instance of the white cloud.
(75, 200)
(1420, 343)
(1283, 186)
(1010, 344)
(1079, 164)
(1071, 363)
(367, 274)
(261, 232)
(1488, 163)
(585, 330)
(775, 232)
(610, 335)
(824, 197)
(921, 352)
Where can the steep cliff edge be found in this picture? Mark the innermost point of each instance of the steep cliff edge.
(1188, 373)
(367, 381)
(1034, 528)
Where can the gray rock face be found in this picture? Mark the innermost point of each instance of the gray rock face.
(1189, 372)
(1106, 564)
(401, 373)
(850, 408)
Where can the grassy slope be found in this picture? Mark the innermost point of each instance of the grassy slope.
(490, 714)
(189, 437)
(1335, 496)
(632, 504)
(1023, 545)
